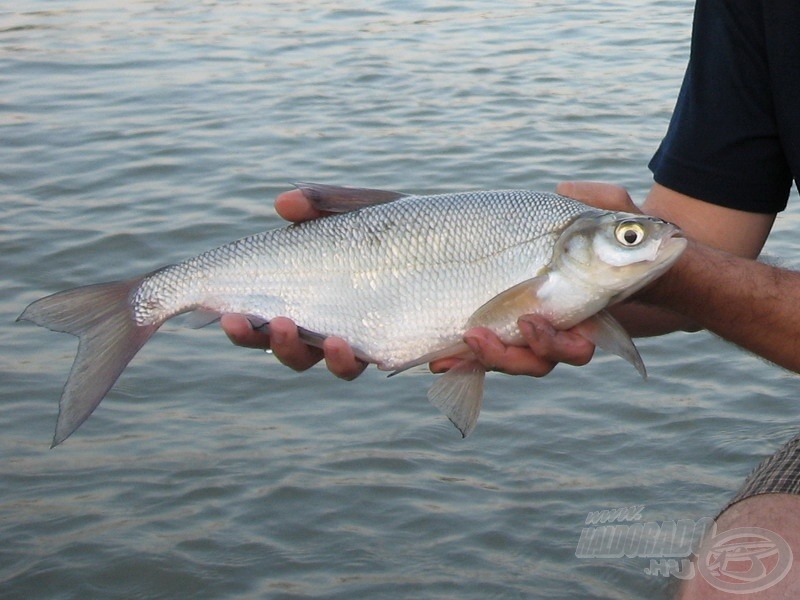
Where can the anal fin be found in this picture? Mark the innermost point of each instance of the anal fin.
(459, 394)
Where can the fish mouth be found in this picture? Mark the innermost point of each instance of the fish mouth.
(669, 251)
(672, 246)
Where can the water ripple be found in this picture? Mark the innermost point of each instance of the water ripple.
(137, 134)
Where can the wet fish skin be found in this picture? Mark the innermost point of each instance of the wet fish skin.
(400, 278)
(393, 277)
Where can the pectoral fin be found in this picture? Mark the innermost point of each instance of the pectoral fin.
(331, 198)
(518, 300)
(605, 332)
(459, 394)
(601, 329)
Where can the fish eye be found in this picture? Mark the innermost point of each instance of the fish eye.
(629, 233)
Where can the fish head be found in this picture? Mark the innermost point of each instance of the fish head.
(617, 253)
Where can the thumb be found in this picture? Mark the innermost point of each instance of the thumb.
(598, 194)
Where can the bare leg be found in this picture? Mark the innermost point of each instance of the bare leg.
(769, 500)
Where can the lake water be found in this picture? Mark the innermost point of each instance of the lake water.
(138, 133)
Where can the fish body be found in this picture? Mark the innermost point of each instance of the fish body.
(395, 280)
(399, 277)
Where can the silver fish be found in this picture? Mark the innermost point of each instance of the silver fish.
(400, 277)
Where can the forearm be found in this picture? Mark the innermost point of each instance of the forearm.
(647, 320)
(736, 232)
(746, 302)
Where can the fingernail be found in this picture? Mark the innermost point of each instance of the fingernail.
(332, 352)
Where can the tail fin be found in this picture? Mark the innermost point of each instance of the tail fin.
(102, 317)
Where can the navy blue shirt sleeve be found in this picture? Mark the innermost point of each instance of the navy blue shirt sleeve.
(729, 141)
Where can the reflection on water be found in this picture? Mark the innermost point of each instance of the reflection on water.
(136, 134)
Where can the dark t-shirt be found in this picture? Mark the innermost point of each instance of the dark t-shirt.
(734, 138)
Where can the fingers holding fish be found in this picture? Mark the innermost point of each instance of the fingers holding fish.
(341, 360)
(240, 331)
(497, 356)
(285, 342)
(548, 343)
(294, 206)
(282, 339)
(286, 345)
(546, 348)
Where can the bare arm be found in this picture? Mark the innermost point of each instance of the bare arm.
(746, 302)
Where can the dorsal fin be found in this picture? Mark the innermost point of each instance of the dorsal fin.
(331, 198)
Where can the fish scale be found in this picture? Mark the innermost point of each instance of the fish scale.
(398, 277)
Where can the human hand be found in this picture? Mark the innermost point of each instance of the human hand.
(284, 338)
(606, 196)
(546, 347)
